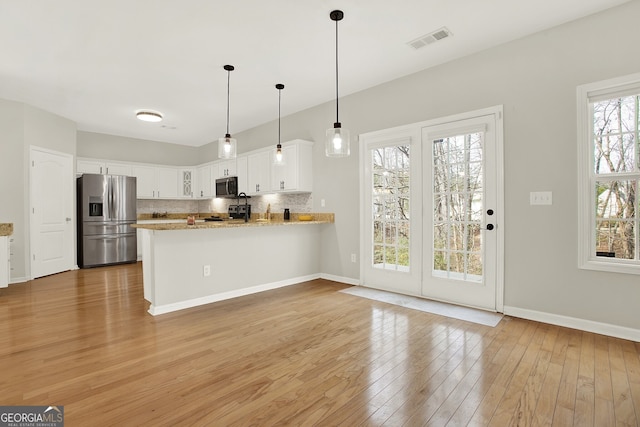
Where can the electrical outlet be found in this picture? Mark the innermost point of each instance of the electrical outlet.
(322, 203)
(540, 198)
(206, 270)
(353, 257)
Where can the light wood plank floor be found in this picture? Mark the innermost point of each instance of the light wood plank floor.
(301, 355)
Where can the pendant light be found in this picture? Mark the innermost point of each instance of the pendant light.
(227, 145)
(337, 139)
(278, 159)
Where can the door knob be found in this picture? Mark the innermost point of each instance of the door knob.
(68, 219)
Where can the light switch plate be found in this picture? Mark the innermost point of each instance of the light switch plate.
(541, 198)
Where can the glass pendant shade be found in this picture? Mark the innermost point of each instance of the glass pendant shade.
(278, 157)
(337, 142)
(227, 147)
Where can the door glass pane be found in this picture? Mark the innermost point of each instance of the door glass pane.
(390, 198)
(458, 204)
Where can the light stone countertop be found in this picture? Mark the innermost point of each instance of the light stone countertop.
(322, 218)
(6, 228)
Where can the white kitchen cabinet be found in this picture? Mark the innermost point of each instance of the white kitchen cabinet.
(187, 183)
(296, 174)
(145, 181)
(156, 182)
(227, 168)
(242, 171)
(258, 173)
(102, 167)
(204, 181)
(167, 183)
(4, 261)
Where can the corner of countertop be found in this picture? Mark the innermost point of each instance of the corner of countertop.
(6, 228)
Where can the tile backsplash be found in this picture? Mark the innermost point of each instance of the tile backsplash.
(302, 202)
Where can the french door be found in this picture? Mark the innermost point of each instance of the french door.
(461, 213)
(431, 198)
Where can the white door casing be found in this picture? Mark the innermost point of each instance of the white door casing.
(51, 212)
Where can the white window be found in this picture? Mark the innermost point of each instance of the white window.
(609, 175)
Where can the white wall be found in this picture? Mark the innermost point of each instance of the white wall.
(535, 78)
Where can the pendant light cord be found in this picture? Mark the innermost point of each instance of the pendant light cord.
(337, 115)
(279, 98)
(228, 80)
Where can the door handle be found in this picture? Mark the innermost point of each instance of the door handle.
(489, 227)
(68, 219)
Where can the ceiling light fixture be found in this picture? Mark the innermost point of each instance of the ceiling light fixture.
(149, 116)
(278, 160)
(227, 145)
(337, 139)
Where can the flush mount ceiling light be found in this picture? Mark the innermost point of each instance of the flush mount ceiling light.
(278, 159)
(227, 145)
(337, 138)
(149, 116)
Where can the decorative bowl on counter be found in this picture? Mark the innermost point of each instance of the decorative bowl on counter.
(305, 217)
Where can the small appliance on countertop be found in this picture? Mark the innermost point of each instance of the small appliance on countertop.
(238, 211)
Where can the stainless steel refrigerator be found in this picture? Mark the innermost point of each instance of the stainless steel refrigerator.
(106, 211)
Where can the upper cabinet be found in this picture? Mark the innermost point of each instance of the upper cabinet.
(204, 181)
(227, 168)
(145, 181)
(187, 183)
(156, 182)
(255, 171)
(102, 167)
(296, 174)
(259, 172)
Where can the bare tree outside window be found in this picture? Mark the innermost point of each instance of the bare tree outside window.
(616, 157)
(390, 197)
(457, 176)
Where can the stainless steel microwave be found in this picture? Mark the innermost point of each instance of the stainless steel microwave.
(227, 187)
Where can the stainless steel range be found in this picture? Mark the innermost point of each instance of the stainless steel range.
(106, 211)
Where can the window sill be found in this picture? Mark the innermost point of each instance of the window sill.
(611, 267)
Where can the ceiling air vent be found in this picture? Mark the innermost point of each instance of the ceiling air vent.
(439, 34)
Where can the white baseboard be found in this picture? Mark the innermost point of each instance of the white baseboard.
(575, 323)
(168, 308)
(341, 279)
(15, 280)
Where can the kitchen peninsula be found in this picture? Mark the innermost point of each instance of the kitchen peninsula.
(6, 230)
(190, 265)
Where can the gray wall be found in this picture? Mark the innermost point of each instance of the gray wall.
(22, 126)
(113, 147)
(535, 78)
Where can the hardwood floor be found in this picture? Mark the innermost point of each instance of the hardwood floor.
(301, 355)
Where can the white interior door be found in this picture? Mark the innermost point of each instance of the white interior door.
(52, 230)
(461, 214)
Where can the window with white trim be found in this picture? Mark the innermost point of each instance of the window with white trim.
(609, 167)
